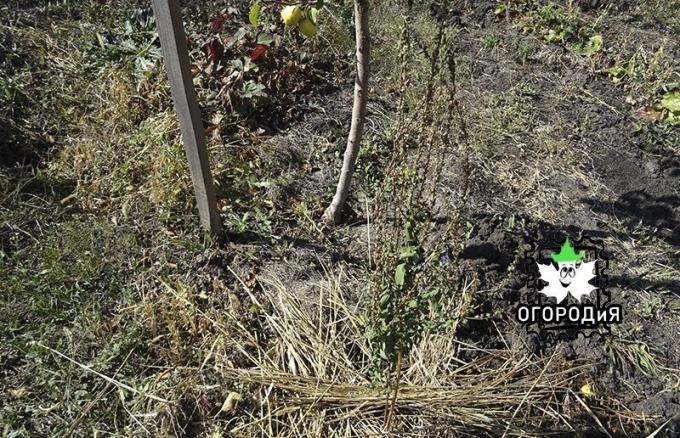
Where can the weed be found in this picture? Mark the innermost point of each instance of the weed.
(627, 355)
(643, 74)
(490, 41)
(61, 292)
(648, 72)
(556, 23)
(650, 307)
(589, 47)
(135, 49)
(525, 50)
(373, 156)
(413, 282)
(659, 12)
(660, 138)
(240, 223)
(503, 116)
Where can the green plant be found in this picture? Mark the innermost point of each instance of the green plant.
(670, 101)
(525, 50)
(490, 41)
(663, 12)
(501, 9)
(136, 46)
(627, 355)
(589, 47)
(373, 157)
(413, 284)
(651, 76)
(559, 24)
(650, 307)
(618, 72)
(240, 223)
(660, 137)
(250, 66)
(264, 225)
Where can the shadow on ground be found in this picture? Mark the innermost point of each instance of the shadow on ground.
(635, 208)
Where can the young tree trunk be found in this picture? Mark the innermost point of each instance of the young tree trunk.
(332, 215)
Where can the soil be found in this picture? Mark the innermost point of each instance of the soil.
(632, 183)
(628, 186)
(640, 184)
(582, 163)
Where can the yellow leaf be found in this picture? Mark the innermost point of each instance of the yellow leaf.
(17, 393)
(230, 403)
(587, 390)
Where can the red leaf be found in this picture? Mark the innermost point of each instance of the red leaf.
(214, 49)
(222, 204)
(218, 21)
(257, 51)
(209, 130)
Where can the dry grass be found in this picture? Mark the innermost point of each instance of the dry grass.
(312, 378)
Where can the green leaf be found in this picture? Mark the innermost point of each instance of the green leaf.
(236, 38)
(511, 223)
(400, 274)
(673, 118)
(407, 251)
(616, 73)
(254, 14)
(237, 64)
(252, 89)
(671, 101)
(595, 42)
(431, 293)
(265, 38)
(591, 47)
(312, 14)
(555, 35)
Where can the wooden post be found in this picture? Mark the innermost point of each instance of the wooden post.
(176, 57)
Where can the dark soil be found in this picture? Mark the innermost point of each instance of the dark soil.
(631, 185)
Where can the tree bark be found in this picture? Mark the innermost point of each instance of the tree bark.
(333, 214)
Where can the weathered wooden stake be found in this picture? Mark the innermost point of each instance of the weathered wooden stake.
(176, 56)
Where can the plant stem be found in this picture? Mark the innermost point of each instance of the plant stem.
(390, 411)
